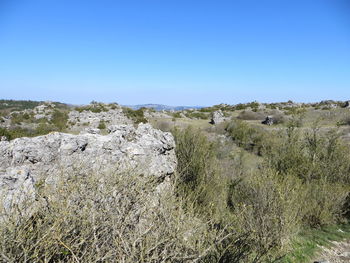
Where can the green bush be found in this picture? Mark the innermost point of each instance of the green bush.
(102, 125)
(176, 114)
(59, 119)
(94, 107)
(18, 105)
(4, 132)
(344, 121)
(240, 107)
(106, 218)
(195, 155)
(197, 115)
(312, 156)
(136, 115)
(255, 140)
(259, 213)
(17, 132)
(268, 208)
(251, 115)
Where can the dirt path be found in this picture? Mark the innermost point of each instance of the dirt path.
(338, 253)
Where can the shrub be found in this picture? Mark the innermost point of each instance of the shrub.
(323, 165)
(255, 140)
(18, 105)
(59, 120)
(251, 115)
(195, 156)
(197, 115)
(16, 118)
(268, 208)
(345, 121)
(176, 114)
(4, 132)
(260, 213)
(106, 218)
(95, 107)
(240, 106)
(136, 115)
(163, 126)
(102, 125)
(312, 156)
(44, 128)
(279, 119)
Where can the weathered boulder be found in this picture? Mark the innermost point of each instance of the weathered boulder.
(347, 104)
(217, 117)
(26, 161)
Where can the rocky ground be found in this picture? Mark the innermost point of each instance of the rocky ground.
(338, 253)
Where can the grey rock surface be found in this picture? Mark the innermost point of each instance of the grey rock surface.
(93, 119)
(337, 252)
(91, 131)
(217, 117)
(27, 161)
(17, 189)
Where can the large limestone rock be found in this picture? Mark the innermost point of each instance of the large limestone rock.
(92, 119)
(217, 117)
(25, 162)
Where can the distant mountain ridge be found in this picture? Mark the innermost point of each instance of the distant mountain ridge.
(160, 107)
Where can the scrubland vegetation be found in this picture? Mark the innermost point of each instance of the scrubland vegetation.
(302, 183)
(136, 115)
(58, 122)
(214, 210)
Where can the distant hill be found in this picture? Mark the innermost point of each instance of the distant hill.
(159, 107)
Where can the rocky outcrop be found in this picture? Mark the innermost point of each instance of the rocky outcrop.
(44, 111)
(217, 117)
(29, 117)
(24, 162)
(93, 119)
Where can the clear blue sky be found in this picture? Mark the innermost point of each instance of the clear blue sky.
(176, 52)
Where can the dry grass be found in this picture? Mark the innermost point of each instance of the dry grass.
(107, 218)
